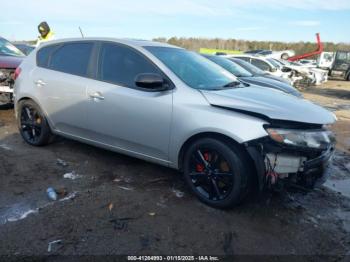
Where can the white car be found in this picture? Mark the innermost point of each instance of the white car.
(285, 54)
(265, 64)
(308, 63)
(316, 75)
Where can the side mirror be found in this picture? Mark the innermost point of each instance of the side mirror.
(150, 81)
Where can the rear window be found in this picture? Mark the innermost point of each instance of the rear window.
(71, 58)
(42, 57)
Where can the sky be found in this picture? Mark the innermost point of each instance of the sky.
(274, 20)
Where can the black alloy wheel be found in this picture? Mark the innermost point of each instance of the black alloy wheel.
(211, 174)
(216, 172)
(33, 125)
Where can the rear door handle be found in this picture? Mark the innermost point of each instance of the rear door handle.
(97, 95)
(39, 83)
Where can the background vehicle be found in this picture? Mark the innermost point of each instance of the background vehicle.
(264, 64)
(247, 77)
(10, 59)
(25, 48)
(341, 65)
(257, 71)
(308, 75)
(176, 108)
(285, 54)
(325, 60)
(308, 62)
(253, 52)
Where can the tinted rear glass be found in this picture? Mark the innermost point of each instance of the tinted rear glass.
(72, 58)
(43, 54)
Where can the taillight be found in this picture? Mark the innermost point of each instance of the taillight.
(17, 72)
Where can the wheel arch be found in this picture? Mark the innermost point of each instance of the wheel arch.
(26, 97)
(215, 135)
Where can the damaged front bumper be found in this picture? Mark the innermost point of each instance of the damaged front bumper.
(6, 85)
(278, 164)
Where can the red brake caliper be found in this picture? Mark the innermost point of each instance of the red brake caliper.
(200, 167)
(206, 156)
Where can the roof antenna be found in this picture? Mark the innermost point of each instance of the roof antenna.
(81, 32)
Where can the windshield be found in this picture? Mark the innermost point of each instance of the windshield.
(192, 68)
(229, 65)
(249, 67)
(6, 48)
(273, 62)
(279, 62)
(266, 52)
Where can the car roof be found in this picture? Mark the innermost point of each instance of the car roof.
(130, 42)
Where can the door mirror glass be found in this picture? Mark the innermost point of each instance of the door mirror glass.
(153, 82)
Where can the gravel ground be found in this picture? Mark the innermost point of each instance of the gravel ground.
(121, 205)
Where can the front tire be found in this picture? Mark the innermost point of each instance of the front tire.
(32, 124)
(216, 172)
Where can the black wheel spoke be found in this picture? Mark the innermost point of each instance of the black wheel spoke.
(195, 175)
(26, 123)
(216, 188)
(28, 114)
(211, 174)
(30, 124)
(214, 162)
(201, 157)
(222, 174)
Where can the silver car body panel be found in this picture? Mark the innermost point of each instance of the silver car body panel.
(152, 125)
(271, 103)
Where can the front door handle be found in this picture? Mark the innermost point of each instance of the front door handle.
(97, 95)
(39, 83)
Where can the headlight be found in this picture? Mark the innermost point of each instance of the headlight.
(319, 139)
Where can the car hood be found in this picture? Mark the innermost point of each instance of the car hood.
(10, 61)
(270, 103)
(279, 79)
(271, 83)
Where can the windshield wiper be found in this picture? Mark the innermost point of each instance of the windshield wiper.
(232, 84)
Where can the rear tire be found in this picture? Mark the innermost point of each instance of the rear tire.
(32, 124)
(217, 172)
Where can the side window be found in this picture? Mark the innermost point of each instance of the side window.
(261, 64)
(72, 58)
(120, 65)
(43, 54)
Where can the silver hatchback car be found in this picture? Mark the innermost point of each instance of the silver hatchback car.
(173, 107)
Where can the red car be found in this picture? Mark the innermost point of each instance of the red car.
(10, 59)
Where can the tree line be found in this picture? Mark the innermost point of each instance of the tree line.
(195, 44)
